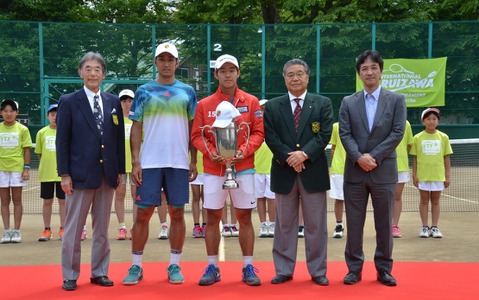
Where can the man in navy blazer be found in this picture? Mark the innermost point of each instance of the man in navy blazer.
(90, 159)
(299, 172)
(371, 125)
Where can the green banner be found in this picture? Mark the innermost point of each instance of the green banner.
(421, 81)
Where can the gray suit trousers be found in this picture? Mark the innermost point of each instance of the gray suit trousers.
(285, 243)
(77, 208)
(356, 197)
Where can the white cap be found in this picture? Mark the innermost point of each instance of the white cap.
(226, 58)
(128, 93)
(166, 47)
(427, 110)
(13, 104)
(262, 102)
(225, 113)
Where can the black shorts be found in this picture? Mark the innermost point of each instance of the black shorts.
(47, 188)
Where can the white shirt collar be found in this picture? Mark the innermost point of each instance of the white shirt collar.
(375, 94)
(302, 96)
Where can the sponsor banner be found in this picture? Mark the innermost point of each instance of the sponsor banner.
(421, 81)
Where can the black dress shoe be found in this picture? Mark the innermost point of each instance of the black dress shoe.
(101, 281)
(321, 280)
(69, 285)
(386, 278)
(278, 279)
(352, 278)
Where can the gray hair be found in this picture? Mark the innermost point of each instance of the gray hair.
(295, 61)
(93, 56)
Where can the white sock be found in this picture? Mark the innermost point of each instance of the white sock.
(247, 260)
(175, 258)
(213, 260)
(137, 259)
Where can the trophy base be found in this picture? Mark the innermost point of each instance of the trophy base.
(230, 184)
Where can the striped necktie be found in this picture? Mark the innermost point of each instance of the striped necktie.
(297, 114)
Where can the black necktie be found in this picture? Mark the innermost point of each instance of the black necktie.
(297, 114)
(98, 114)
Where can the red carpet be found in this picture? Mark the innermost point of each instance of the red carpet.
(418, 280)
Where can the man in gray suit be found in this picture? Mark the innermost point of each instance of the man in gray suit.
(298, 127)
(371, 125)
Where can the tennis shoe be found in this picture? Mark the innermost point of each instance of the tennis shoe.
(174, 274)
(45, 236)
(121, 234)
(83, 234)
(211, 275)
(271, 229)
(234, 231)
(424, 232)
(16, 236)
(396, 231)
(135, 275)
(163, 232)
(435, 233)
(300, 231)
(197, 232)
(226, 232)
(263, 230)
(6, 237)
(249, 276)
(338, 231)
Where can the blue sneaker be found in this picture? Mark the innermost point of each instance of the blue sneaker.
(249, 276)
(135, 275)
(174, 274)
(211, 275)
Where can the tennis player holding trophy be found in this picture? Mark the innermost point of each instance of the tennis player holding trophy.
(219, 131)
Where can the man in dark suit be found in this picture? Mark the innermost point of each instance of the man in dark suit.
(297, 130)
(371, 125)
(90, 145)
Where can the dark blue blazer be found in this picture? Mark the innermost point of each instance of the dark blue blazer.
(82, 152)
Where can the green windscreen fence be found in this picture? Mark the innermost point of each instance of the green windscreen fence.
(39, 61)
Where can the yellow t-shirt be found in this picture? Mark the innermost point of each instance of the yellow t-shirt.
(337, 163)
(128, 124)
(45, 145)
(12, 141)
(430, 150)
(262, 159)
(401, 150)
(199, 162)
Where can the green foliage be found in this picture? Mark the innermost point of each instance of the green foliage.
(328, 34)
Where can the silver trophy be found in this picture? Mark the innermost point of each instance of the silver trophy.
(226, 146)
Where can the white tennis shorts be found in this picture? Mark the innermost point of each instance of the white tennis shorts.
(336, 191)
(199, 180)
(215, 196)
(431, 186)
(262, 186)
(11, 179)
(403, 177)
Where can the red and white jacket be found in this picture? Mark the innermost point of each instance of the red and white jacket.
(248, 106)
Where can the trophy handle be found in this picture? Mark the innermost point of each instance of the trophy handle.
(210, 129)
(248, 133)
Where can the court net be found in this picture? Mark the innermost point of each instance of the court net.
(461, 196)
